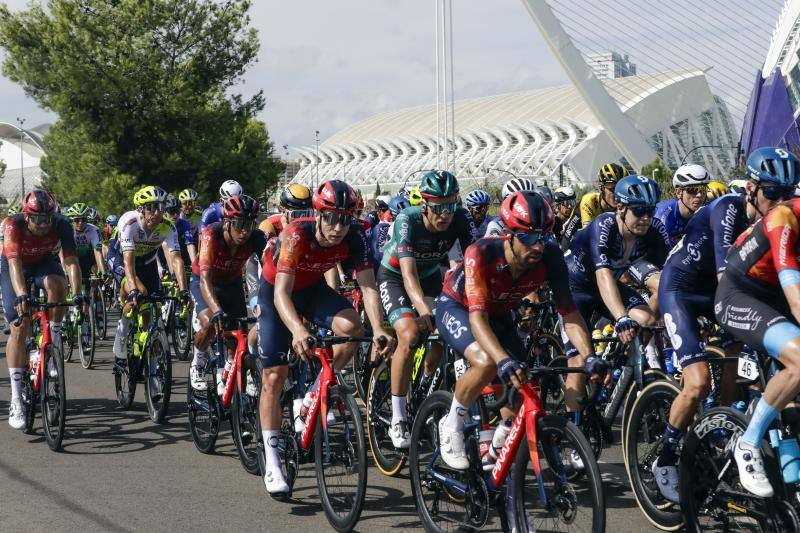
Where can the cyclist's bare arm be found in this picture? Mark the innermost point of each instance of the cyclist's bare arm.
(98, 259)
(73, 268)
(177, 262)
(609, 291)
(17, 277)
(207, 290)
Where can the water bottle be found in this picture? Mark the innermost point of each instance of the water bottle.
(499, 438)
(484, 447)
(669, 364)
(228, 365)
(789, 452)
(34, 359)
(616, 374)
(600, 346)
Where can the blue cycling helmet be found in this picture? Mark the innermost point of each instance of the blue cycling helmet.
(477, 197)
(112, 220)
(636, 190)
(774, 166)
(397, 204)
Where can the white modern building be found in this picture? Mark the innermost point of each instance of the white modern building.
(784, 52)
(21, 151)
(610, 65)
(540, 133)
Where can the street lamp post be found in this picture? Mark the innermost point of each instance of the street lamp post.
(21, 121)
(316, 166)
(653, 174)
(710, 146)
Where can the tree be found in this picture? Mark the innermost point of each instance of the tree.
(143, 94)
(663, 177)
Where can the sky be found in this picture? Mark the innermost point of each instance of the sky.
(324, 65)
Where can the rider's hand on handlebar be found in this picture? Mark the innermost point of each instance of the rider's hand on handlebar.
(133, 297)
(596, 368)
(302, 343)
(216, 321)
(186, 298)
(21, 304)
(426, 323)
(511, 372)
(626, 329)
(383, 342)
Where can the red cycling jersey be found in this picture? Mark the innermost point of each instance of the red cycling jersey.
(20, 243)
(296, 251)
(215, 256)
(483, 282)
(764, 257)
(277, 222)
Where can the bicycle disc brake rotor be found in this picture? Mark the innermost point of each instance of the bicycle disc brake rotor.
(477, 502)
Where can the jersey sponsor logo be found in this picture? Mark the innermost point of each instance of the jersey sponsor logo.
(786, 232)
(744, 318)
(453, 325)
(747, 248)
(672, 331)
(728, 222)
(693, 253)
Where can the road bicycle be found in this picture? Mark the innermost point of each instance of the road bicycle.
(339, 447)
(239, 401)
(97, 303)
(530, 483)
(147, 356)
(43, 379)
(75, 336)
(177, 321)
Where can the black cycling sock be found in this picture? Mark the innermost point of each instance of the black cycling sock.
(672, 437)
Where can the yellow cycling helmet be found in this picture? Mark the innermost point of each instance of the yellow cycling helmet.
(737, 186)
(414, 196)
(715, 190)
(149, 194)
(187, 195)
(296, 197)
(611, 173)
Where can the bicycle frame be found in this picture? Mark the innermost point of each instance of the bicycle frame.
(240, 336)
(38, 378)
(327, 377)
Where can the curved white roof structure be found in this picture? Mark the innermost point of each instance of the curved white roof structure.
(21, 162)
(530, 133)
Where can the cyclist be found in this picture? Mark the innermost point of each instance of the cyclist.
(189, 211)
(108, 229)
(295, 202)
(478, 202)
(495, 228)
(410, 278)
(691, 185)
(603, 199)
(132, 255)
(415, 197)
(213, 213)
(13, 209)
(186, 238)
(568, 220)
(627, 241)
(686, 292)
(715, 190)
(293, 288)
(758, 299)
(379, 235)
(474, 311)
(216, 282)
(29, 242)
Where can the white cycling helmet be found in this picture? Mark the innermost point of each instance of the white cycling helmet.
(564, 194)
(516, 184)
(688, 175)
(230, 188)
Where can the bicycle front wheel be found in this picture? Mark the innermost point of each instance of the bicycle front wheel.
(388, 459)
(87, 345)
(100, 315)
(244, 414)
(203, 410)
(340, 457)
(158, 379)
(569, 506)
(54, 399)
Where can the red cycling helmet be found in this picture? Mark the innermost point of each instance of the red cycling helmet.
(528, 212)
(335, 195)
(240, 206)
(39, 202)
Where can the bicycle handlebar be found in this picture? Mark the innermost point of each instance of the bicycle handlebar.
(509, 392)
(39, 306)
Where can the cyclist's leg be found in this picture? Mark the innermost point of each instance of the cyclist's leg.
(586, 303)
(432, 288)
(325, 306)
(48, 275)
(274, 340)
(768, 329)
(15, 346)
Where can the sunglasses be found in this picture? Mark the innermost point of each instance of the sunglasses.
(695, 190)
(41, 220)
(243, 224)
(332, 218)
(529, 239)
(441, 209)
(480, 207)
(190, 203)
(642, 210)
(154, 207)
(299, 213)
(777, 193)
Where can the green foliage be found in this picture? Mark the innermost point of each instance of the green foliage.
(663, 177)
(142, 90)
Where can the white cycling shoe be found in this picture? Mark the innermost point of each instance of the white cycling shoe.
(451, 446)
(274, 482)
(197, 378)
(667, 481)
(16, 414)
(400, 434)
(751, 469)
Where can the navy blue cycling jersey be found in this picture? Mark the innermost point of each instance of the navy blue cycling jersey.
(378, 236)
(709, 235)
(212, 213)
(479, 231)
(601, 245)
(669, 213)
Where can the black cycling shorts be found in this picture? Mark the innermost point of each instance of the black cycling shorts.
(394, 299)
(230, 297)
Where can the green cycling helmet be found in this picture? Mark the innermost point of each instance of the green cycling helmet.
(438, 184)
(78, 210)
(187, 195)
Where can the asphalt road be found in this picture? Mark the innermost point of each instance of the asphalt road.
(120, 472)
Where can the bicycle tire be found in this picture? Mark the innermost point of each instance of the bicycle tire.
(182, 334)
(658, 395)
(649, 375)
(361, 367)
(87, 354)
(348, 420)
(244, 415)
(68, 338)
(157, 397)
(288, 449)
(553, 431)
(379, 414)
(54, 403)
(29, 401)
(205, 427)
(101, 314)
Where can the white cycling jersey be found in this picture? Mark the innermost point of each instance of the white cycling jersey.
(132, 237)
(88, 240)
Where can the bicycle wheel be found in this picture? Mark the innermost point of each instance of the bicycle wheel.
(361, 368)
(54, 399)
(340, 457)
(387, 458)
(87, 350)
(29, 400)
(204, 413)
(101, 315)
(244, 414)
(712, 498)
(126, 374)
(440, 507)
(649, 417)
(288, 448)
(650, 375)
(68, 337)
(182, 334)
(569, 506)
(158, 378)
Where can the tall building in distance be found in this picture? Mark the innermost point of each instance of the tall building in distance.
(610, 65)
